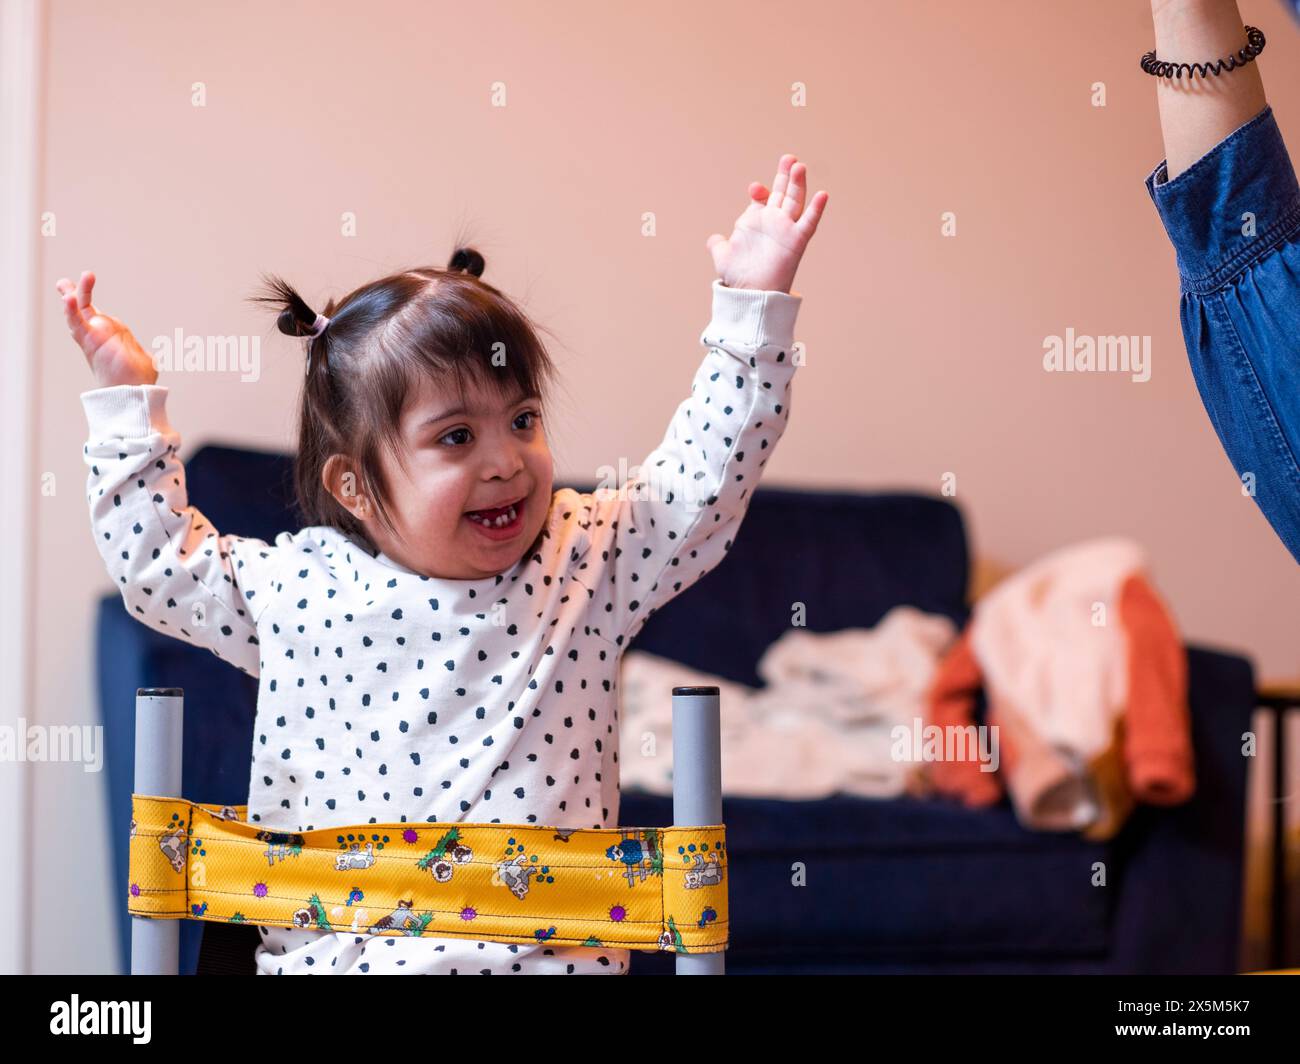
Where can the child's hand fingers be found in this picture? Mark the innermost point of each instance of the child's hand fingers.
(789, 188)
(76, 299)
(79, 325)
(807, 224)
(779, 182)
(112, 353)
(71, 309)
(795, 191)
(793, 200)
(83, 317)
(65, 287)
(84, 289)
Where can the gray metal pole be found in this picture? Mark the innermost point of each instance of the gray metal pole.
(159, 720)
(697, 785)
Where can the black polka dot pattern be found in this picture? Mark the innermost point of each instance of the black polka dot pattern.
(645, 547)
(387, 696)
(293, 951)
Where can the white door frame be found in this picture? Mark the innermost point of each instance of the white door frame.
(22, 35)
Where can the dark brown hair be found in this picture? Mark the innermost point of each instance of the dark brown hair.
(441, 323)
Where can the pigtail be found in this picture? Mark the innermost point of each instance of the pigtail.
(296, 317)
(468, 260)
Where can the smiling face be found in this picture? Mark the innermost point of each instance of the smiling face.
(462, 453)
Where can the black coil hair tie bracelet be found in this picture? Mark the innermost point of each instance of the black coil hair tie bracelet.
(1161, 69)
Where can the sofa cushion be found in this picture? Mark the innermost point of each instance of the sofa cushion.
(903, 879)
(848, 558)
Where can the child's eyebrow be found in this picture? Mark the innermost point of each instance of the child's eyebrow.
(456, 411)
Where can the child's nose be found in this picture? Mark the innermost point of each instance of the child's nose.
(504, 462)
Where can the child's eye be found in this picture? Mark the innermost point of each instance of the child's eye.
(532, 414)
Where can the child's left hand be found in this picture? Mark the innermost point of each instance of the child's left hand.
(768, 241)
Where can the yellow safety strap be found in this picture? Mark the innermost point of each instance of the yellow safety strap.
(637, 888)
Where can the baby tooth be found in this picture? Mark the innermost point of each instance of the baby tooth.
(498, 522)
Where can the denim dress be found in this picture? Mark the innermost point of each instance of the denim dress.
(1234, 219)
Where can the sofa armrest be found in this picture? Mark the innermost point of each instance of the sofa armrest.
(1180, 868)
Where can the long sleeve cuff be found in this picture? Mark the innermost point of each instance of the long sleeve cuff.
(1204, 208)
(751, 317)
(126, 411)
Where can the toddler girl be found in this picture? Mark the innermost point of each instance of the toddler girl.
(441, 643)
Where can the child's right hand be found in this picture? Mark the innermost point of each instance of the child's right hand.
(111, 351)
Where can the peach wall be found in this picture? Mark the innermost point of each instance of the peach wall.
(924, 352)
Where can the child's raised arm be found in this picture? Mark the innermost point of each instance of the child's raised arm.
(175, 572)
(677, 518)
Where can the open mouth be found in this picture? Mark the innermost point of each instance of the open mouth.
(500, 522)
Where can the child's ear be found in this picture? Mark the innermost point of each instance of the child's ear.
(341, 481)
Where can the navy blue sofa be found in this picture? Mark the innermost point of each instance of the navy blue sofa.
(901, 885)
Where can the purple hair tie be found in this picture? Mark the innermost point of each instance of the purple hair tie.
(318, 326)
